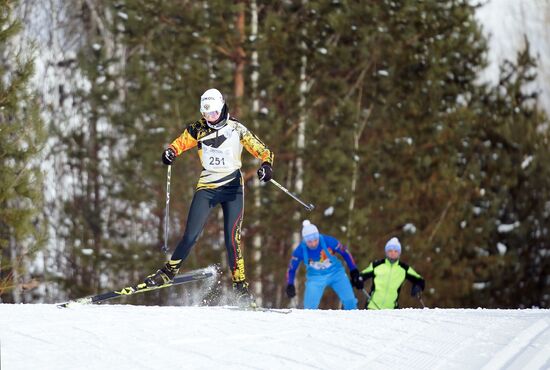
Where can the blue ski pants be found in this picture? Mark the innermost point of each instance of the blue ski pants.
(337, 280)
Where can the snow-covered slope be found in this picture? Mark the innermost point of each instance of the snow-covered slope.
(137, 337)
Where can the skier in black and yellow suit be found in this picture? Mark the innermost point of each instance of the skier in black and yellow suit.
(220, 139)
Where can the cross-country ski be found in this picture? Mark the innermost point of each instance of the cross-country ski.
(187, 277)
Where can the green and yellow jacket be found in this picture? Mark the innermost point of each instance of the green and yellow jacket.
(387, 279)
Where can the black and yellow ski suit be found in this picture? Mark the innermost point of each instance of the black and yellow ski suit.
(220, 182)
(387, 279)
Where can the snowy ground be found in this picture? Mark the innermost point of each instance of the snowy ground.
(139, 337)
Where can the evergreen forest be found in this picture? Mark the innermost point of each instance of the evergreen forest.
(375, 110)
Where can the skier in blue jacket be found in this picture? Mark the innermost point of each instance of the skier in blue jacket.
(323, 268)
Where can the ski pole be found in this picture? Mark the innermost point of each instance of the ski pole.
(419, 297)
(293, 302)
(167, 210)
(308, 207)
(369, 298)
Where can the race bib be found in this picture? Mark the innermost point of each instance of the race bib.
(216, 159)
(318, 265)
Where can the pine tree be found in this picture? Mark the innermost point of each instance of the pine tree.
(21, 142)
(284, 69)
(425, 75)
(509, 166)
(174, 53)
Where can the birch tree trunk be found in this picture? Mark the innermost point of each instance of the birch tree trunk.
(356, 159)
(15, 269)
(300, 144)
(256, 192)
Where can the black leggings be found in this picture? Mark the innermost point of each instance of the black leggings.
(231, 199)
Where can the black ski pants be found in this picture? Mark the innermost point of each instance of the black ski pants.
(231, 198)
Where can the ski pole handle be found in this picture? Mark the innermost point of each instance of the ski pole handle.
(167, 210)
(308, 207)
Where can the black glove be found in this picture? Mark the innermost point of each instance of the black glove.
(168, 156)
(416, 290)
(265, 172)
(290, 291)
(356, 279)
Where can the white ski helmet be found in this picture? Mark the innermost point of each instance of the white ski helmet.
(212, 101)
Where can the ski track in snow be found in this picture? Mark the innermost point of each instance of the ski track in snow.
(139, 337)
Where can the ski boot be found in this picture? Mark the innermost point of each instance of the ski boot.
(243, 297)
(164, 275)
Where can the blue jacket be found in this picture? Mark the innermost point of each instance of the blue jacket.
(320, 260)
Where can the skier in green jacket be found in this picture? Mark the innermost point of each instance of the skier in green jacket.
(388, 275)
